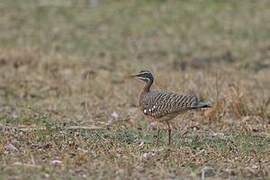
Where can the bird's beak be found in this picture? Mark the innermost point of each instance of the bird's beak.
(133, 76)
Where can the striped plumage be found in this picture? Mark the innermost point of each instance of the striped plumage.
(162, 105)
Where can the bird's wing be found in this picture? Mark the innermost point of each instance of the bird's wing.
(161, 103)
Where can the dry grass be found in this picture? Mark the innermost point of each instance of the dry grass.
(68, 111)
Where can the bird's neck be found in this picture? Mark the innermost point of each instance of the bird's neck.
(147, 87)
(145, 90)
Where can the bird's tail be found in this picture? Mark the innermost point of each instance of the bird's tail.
(202, 104)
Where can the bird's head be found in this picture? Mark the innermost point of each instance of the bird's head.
(145, 76)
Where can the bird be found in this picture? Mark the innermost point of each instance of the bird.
(163, 106)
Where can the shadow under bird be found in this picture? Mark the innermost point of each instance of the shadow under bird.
(163, 106)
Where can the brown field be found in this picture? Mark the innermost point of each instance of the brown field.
(69, 111)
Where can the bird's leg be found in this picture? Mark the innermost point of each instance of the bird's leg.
(158, 132)
(158, 129)
(169, 132)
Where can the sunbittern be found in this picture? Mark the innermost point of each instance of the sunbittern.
(164, 106)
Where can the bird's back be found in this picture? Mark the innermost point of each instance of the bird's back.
(162, 103)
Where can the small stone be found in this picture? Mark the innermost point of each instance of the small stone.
(141, 144)
(56, 162)
(148, 155)
(11, 148)
(207, 172)
(115, 115)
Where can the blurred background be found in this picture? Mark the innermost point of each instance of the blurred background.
(66, 62)
(62, 55)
